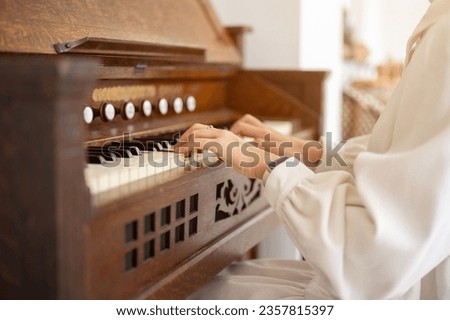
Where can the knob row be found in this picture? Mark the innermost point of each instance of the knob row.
(128, 110)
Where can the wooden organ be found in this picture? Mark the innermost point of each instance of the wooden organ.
(77, 76)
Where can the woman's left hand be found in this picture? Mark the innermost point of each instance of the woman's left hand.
(233, 150)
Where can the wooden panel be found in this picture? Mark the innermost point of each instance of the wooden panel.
(192, 273)
(38, 25)
(237, 34)
(307, 86)
(44, 199)
(250, 92)
(128, 253)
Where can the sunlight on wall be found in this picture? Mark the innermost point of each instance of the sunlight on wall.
(321, 30)
(296, 34)
(273, 42)
(385, 25)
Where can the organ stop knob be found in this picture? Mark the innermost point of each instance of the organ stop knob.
(146, 108)
(163, 106)
(88, 114)
(107, 112)
(191, 103)
(178, 105)
(128, 111)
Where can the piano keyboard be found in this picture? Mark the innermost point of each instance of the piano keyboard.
(120, 163)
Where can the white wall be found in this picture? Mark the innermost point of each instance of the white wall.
(321, 37)
(273, 43)
(385, 25)
(295, 34)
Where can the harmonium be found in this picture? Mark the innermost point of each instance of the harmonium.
(93, 94)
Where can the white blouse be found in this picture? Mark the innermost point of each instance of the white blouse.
(379, 228)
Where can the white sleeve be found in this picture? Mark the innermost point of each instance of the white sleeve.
(341, 155)
(375, 234)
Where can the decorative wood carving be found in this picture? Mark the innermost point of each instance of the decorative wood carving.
(234, 197)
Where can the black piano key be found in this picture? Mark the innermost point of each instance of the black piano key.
(161, 145)
(113, 150)
(127, 144)
(108, 156)
(103, 151)
(122, 153)
(133, 149)
(166, 144)
(100, 149)
(143, 145)
(95, 159)
(158, 146)
(153, 146)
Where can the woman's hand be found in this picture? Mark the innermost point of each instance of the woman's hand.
(233, 150)
(274, 142)
(249, 126)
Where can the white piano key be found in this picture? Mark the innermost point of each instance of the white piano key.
(283, 127)
(100, 178)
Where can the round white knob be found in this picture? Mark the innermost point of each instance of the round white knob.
(88, 114)
(178, 105)
(128, 111)
(108, 112)
(191, 103)
(163, 106)
(146, 108)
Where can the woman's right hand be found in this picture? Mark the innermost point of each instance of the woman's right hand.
(274, 142)
(250, 126)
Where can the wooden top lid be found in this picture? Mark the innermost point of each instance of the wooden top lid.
(31, 26)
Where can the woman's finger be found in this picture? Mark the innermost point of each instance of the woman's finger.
(248, 130)
(191, 139)
(248, 118)
(204, 144)
(193, 128)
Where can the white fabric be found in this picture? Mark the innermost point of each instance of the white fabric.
(437, 10)
(259, 279)
(380, 228)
